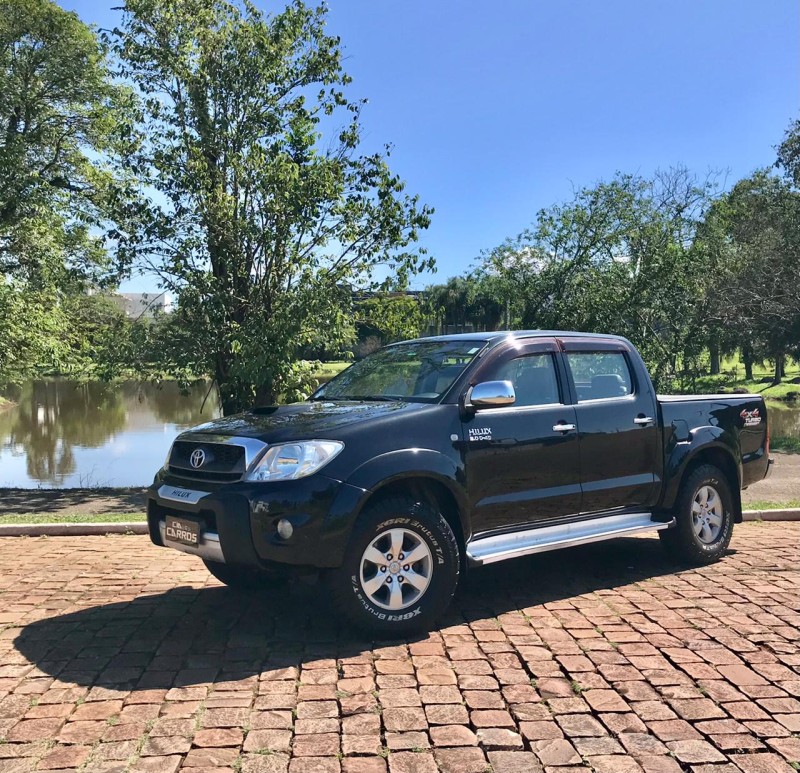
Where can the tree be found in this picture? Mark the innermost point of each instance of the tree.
(247, 215)
(389, 317)
(617, 258)
(756, 227)
(58, 112)
(474, 299)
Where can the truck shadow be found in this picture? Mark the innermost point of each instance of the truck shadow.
(189, 635)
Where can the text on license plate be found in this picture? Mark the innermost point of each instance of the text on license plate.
(183, 530)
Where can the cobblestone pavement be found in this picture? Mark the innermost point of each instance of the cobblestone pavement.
(116, 655)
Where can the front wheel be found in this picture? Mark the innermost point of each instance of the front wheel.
(703, 518)
(400, 569)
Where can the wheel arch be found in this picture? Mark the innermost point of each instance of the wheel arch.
(719, 456)
(428, 489)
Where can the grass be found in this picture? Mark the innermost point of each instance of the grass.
(765, 505)
(789, 445)
(331, 369)
(734, 368)
(34, 518)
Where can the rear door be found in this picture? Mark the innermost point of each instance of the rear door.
(617, 421)
(522, 460)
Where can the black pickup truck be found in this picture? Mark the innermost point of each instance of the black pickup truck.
(433, 456)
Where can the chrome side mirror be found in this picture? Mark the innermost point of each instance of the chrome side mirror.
(491, 394)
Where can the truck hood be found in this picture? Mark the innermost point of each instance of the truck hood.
(303, 421)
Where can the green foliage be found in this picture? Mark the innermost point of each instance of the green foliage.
(476, 299)
(58, 115)
(389, 317)
(58, 111)
(755, 229)
(617, 258)
(259, 226)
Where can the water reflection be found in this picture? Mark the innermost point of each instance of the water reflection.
(66, 434)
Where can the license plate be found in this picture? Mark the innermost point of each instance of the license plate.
(182, 530)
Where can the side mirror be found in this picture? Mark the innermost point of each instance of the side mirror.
(491, 394)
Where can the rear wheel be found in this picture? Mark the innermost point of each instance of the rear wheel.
(241, 577)
(400, 569)
(703, 518)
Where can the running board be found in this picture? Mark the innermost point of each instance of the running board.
(487, 550)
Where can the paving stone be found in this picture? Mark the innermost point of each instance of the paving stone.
(412, 762)
(499, 738)
(761, 763)
(65, 757)
(556, 752)
(218, 737)
(314, 765)
(464, 760)
(614, 764)
(265, 741)
(514, 762)
(453, 735)
(447, 714)
(401, 720)
(413, 740)
(364, 765)
(597, 746)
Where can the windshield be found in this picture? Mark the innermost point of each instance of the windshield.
(420, 371)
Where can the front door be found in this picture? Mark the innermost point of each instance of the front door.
(617, 422)
(522, 460)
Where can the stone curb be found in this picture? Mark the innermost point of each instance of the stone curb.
(139, 527)
(71, 529)
(788, 514)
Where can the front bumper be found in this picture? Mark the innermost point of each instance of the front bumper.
(238, 521)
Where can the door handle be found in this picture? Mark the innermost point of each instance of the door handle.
(642, 420)
(563, 427)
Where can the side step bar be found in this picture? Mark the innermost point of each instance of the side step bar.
(487, 550)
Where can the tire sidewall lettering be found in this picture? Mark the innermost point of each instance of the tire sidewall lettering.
(438, 553)
(722, 490)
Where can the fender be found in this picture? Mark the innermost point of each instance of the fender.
(412, 463)
(681, 453)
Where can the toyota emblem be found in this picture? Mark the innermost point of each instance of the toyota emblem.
(198, 458)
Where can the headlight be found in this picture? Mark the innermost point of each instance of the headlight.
(289, 461)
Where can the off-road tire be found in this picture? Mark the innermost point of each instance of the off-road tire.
(243, 578)
(681, 541)
(429, 526)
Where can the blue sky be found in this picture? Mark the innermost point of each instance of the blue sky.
(497, 109)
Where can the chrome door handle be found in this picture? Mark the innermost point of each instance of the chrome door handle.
(644, 420)
(563, 427)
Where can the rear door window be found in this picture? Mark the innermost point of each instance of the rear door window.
(600, 375)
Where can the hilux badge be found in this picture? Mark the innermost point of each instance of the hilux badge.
(480, 433)
(198, 458)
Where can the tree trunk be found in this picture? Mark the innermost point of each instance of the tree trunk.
(747, 359)
(715, 366)
(779, 370)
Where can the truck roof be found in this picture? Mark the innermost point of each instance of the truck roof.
(493, 336)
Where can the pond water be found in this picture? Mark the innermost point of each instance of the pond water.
(64, 434)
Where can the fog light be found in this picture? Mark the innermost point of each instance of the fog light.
(285, 529)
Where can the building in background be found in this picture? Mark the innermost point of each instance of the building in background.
(137, 305)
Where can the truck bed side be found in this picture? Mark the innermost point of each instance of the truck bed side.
(727, 430)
